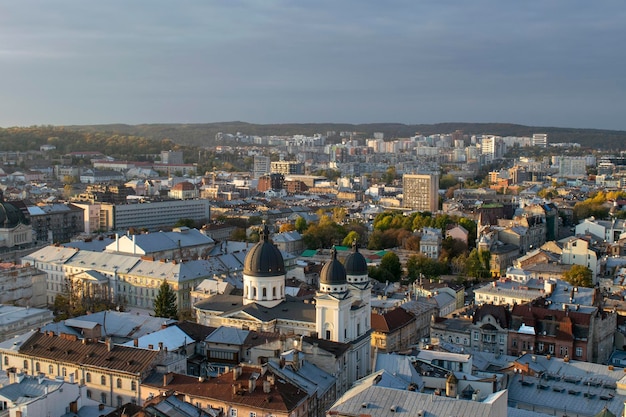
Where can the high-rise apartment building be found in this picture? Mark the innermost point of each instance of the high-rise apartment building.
(540, 139)
(287, 167)
(421, 191)
(261, 165)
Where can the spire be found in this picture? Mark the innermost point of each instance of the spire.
(264, 234)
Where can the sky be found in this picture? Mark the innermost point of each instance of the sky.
(558, 63)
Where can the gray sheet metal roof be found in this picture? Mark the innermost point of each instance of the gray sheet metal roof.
(228, 335)
(119, 325)
(592, 386)
(380, 400)
(28, 389)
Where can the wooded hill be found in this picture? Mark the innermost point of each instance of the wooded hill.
(204, 134)
(127, 140)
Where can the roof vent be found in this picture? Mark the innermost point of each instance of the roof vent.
(365, 405)
(394, 408)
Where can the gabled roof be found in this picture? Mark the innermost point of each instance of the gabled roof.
(282, 397)
(498, 312)
(172, 338)
(73, 351)
(392, 320)
(196, 331)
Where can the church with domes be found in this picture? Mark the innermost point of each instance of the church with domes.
(340, 312)
(15, 229)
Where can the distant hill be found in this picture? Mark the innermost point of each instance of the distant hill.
(204, 134)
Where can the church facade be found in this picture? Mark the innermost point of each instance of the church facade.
(337, 320)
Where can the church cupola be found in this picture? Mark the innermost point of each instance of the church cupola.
(333, 275)
(356, 266)
(264, 273)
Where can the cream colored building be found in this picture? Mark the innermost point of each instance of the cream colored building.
(420, 191)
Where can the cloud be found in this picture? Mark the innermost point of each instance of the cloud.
(555, 63)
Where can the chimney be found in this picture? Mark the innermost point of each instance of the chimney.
(251, 384)
(296, 360)
(160, 345)
(167, 378)
(109, 344)
(136, 342)
(267, 386)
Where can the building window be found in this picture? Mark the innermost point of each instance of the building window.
(103, 398)
(37, 367)
(551, 349)
(119, 400)
(133, 385)
(64, 372)
(119, 382)
(103, 380)
(88, 377)
(501, 339)
(579, 352)
(25, 364)
(50, 369)
(540, 346)
(514, 343)
(327, 334)
(252, 414)
(476, 336)
(6, 360)
(233, 412)
(88, 393)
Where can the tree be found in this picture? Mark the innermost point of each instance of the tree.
(420, 264)
(165, 302)
(239, 235)
(579, 275)
(391, 263)
(301, 224)
(286, 227)
(390, 175)
(350, 237)
(478, 263)
(447, 181)
(190, 223)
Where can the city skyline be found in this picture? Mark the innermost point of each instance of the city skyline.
(535, 63)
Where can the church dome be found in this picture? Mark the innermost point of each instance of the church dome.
(264, 259)
(355, 263)
(10, 216)
(333, 272)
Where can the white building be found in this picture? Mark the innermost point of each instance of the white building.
(577, 251)
(540, 139)
(340, 317)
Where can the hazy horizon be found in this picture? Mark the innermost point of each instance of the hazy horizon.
(555, 64)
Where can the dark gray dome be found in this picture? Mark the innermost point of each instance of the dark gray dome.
(333, 272)
(355, 263)
(10, 216)
(264, 259)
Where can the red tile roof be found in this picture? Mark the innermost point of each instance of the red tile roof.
(392, 320)
(282, 396)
